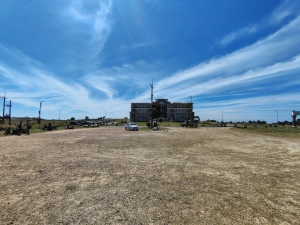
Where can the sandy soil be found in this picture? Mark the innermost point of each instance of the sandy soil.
(174, 176)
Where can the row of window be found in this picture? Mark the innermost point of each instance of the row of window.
(173, 111)
(148, 105)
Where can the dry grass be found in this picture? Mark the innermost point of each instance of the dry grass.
(174, 176)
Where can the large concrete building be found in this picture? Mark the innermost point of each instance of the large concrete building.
(161, 109)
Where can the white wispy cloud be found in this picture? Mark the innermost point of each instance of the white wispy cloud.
(102, 83)
(7, 73)
(286, 9)
(29, 81)
(252, 78)
(265, 53)
(135, 46)
(283, 11)
(93, 18)
(238, 34)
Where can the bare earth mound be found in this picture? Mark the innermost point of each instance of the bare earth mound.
(174, 176)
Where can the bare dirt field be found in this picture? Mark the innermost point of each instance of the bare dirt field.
(177, 175)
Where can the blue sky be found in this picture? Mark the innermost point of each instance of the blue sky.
(93, 58)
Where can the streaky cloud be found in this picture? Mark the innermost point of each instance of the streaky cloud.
(272, 50)
(286, 9)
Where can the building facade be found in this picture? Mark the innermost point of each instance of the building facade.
(161, 109)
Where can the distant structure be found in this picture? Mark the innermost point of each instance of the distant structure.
(161, 109)
(294, 115)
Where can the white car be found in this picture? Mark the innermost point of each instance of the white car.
(131, 126)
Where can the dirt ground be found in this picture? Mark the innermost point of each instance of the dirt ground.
(177, 175)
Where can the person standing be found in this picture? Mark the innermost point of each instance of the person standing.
(20, 128)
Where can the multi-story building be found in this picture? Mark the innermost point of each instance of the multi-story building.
(161, 109)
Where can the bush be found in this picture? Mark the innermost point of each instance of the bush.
(3, 127)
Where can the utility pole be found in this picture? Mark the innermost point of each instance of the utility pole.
(59, 115)
(9, 119)
(277, 115)
(191, 112)
(151, 85)
(3, 107)
(39, 120)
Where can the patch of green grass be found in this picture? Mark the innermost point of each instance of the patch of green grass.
(279, 131)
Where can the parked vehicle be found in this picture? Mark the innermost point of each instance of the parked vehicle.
(8, 131)
(131, 126)
(191, 123)
(69, 127)
(154, 125)
(49, 127)
(12, 131)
